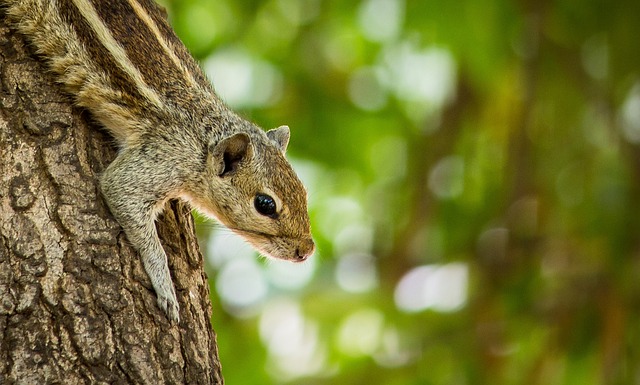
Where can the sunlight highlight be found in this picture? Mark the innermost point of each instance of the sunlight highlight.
(361, 332)
(381, 20)
(357, 273)
(629, 115)
(244, 81)
(426, 76)
(446, 178)
(442, 288)
(242, 287)
(292, 341)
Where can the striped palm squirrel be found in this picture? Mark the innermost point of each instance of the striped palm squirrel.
(121, 61)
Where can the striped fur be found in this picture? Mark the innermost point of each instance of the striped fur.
(118, 58)
(122, 61)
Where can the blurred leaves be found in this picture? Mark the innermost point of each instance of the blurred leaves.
(497, 136)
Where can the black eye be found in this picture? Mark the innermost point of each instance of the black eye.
(265, 205)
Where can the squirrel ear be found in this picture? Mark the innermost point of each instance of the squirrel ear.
(228, 152)
(280, 136)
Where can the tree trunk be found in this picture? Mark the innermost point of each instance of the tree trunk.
(76, 306)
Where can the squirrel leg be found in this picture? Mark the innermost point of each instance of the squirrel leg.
(135, 205)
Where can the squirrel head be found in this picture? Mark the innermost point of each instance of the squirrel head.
(254, 191)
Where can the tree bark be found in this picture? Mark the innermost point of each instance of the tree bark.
(76, 306)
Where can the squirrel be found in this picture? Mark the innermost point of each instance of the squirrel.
(121, 61)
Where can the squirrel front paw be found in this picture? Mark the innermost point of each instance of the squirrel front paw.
(168, 302)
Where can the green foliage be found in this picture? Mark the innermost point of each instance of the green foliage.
(473, 177)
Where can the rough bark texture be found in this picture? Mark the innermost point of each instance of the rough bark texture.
(76, 306)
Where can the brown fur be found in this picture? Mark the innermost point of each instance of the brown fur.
(122, 62)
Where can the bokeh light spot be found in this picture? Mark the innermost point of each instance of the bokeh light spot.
(439, 287)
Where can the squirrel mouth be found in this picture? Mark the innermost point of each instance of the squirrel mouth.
(278, 247)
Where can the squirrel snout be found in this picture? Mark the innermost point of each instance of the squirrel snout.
(305, 249)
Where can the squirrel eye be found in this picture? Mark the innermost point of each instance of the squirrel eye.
(265, 205)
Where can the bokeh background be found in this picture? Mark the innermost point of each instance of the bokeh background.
(473, 170)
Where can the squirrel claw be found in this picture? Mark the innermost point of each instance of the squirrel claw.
(171, 308)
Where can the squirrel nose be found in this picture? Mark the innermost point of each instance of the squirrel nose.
(305, 249)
